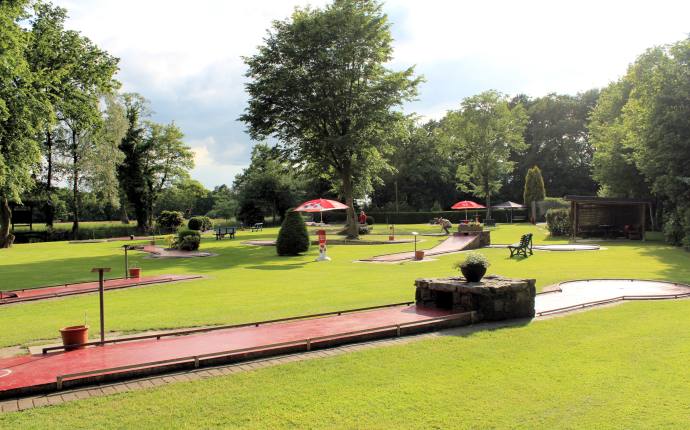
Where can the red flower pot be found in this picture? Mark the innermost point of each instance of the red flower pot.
(135, 272)
(74, 335)
(419, 255)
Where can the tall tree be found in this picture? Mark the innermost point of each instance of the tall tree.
(130, 172)
(269, 182)
(481, 136)
(166, 159)
(558, 141)
(422, 176)
(23, 110)
(534, 191)
(319, 85)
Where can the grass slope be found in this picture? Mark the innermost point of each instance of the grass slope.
(247, 283)
(618, 367)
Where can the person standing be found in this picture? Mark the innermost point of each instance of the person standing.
(362, 218)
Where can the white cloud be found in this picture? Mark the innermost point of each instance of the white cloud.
(186, 56)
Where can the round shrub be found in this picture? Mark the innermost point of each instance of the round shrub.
(188, 240)
(558, 222)
(293, 237)
(370, 220)
(169, 220)
(195, 223)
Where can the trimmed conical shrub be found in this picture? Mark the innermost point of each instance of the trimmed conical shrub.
(293, 237)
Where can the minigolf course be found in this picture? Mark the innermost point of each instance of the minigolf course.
(18, 296)
(136, 356)
(454, 243)
(53, 371)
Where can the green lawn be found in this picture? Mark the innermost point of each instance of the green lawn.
(247, 283)
(611, 368)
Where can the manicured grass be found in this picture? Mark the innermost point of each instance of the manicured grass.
(248, 283)
(618, 367)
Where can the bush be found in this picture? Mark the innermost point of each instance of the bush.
(187, 240)
(293, 237)
(558, 222)
(169, 220)
(550, 203)
(370, 220)
(200, 223)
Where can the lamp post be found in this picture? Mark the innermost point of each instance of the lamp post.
(414, 233)
(100, 271)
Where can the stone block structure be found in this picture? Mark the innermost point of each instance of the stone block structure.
(494, 298)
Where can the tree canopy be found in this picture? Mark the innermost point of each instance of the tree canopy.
(481, 136)
(320, 86)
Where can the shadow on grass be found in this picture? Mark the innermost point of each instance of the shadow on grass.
(467, 331)
(290, 266)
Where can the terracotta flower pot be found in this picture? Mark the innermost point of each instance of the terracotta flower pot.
(135, 272)
(74, 335)
(419, 255)
(473, 273)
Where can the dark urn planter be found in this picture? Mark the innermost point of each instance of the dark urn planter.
(473, 273)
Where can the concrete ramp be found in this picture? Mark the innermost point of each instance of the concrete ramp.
(456, 242)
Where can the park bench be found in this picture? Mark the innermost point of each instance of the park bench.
(522, 247)
(221, 232)
(259, 226)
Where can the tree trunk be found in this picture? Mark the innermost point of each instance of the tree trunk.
(534, 212)
(124, 218)
(49, 209)
(6, 238)
(488, 198)
(351, 226)
(75, 186)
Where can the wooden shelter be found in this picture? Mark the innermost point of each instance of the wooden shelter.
(608, 217)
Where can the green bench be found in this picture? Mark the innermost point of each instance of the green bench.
(221, 232)
(522, 247)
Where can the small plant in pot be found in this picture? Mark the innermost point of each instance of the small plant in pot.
(474, 267)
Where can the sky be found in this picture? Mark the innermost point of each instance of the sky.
(186, 57)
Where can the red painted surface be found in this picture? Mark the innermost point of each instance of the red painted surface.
(86, 287)
(454, 243)
(43, 369)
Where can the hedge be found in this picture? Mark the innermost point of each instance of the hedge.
(503, 216)
(558, 222)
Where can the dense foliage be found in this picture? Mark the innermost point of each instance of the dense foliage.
(558, 222)
(187, 240)
(335, 110)
(200, 223)
(169, 220)
(293, 238)
(534, 191)
(641, 131)
(481, 136)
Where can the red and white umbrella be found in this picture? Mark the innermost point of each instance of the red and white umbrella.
(320, 205)
(467, 204)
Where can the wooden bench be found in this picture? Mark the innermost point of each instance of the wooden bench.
(221, 232)
(522, 247)
(259, 226)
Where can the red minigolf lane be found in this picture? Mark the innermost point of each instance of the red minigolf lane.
(39, 370)
(454, 243)
(16, 296)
